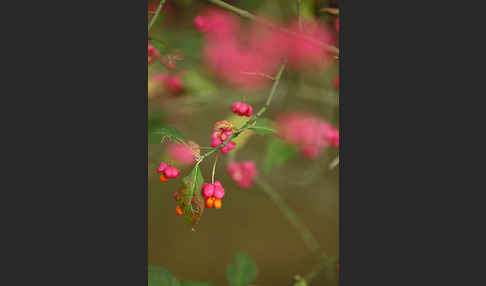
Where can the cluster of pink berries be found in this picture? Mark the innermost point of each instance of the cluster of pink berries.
(153, 54)
(308, 132)
(243, 173)
(166, 171)
(242, 109)
(222, 131)
(213, 193)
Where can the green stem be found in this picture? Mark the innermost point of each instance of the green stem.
(214, 168)
(291, 216)
(267, 23)
(320, 266)
(157, 12)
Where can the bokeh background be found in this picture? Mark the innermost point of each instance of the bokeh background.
(248, 220)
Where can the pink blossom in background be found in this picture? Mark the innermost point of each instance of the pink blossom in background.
(217, 24)
(243, 173)
(304, 52)
(181, 153)
(309, 133)
(171, 83)
(153, 54)
(231, 52)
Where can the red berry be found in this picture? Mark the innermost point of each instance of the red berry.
(163, 178)
(162, 166)
(178, 210)
(207, 190)
(209, 202)
(171, 172)
(217, 204)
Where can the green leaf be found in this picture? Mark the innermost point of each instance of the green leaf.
(158, 276)
(190, 283)
(263, 126)
(242, 271)
(169, 133)
(277, 153)
(192, 189)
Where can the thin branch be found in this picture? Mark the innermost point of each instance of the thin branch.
(214, 168)
(320, 266)
(259, 74)
(332, 11)
(157, 12)
(334, 163)
(291, 216)
(267, 23)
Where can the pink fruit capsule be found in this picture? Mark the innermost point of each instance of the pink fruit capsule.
(162, 166)
(208, 190)
(219, 193)
(171, 172)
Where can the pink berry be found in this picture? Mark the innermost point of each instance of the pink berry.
(249, 112)
(218, 190)
(171, 172)
(219, 193)
(207, 190)
(235, 107)
(162, 166)
(243, 109)
(175, 195)
(228, 147)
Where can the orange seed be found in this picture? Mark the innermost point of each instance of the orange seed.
(217, 203)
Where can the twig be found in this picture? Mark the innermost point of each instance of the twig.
(275, 197)
(267, 23)
(332, 11)
(320, 266)
(334, 163)
(259, 74)
(214, 168)
(157, 12)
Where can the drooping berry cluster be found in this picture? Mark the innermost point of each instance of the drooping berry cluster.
(242, 109)
(243, 173)
(166, 171)
(213, 193)
(222, 131)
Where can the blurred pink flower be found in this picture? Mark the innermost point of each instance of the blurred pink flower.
(181, 153)
(153, 54)
(217, 23)
(304, 51)
(308, 132)
(171, 83)
(243, 173)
